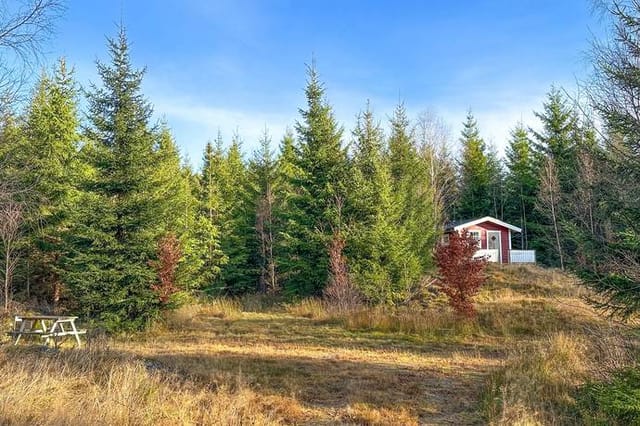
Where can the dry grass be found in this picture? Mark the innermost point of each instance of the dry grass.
(223, 308)
(248, 362)
(537, 385)
(311, 308)
(107, 388)
(429, 323)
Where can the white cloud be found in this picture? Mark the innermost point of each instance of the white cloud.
(193, 123)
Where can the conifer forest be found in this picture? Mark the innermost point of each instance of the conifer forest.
(102, 216)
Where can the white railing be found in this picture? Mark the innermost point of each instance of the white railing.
(491, 255)
(522, 256)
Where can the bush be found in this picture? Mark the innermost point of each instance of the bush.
(169, 254)
(461, 275)
(340, 293)
(616, 402)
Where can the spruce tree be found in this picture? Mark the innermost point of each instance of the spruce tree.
(521, 185)
(609, 259)
(321, 182)
(414, 196)
(263, 190)
(559, 137)
(475, 171)
(496, 183)
(174, 191)
(209, 217)
(238, 275)
(557, 144)
(52, 170)
(286, 213)
(121, 219)
(379, 250)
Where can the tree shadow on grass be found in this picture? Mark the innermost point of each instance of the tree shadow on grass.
(333, 384)
(300, 331)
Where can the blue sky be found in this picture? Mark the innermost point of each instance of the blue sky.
(240, 65)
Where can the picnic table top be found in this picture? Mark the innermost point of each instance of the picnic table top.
(47, 317)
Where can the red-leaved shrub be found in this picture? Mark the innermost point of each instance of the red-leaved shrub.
(460, 274)
(169, 254)
(340, 293)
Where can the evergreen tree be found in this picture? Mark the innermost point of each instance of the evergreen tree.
(51, 169)
(559, 137)
(475, 171)
(320, 185)
(414, 194)
(262, 170)
(383, 264)
(286, 212)
(609, 258)
(521, 185)
(121, 219)
(557, 144)
(237, 223)
(209, 217)
(403, 157)
(178, 208)
(496, 183)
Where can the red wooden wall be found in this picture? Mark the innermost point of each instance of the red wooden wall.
(490, 226)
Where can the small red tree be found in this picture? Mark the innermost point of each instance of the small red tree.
(169, 254)
(460, 274)
(340, 292)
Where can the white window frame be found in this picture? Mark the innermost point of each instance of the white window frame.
(476, 235)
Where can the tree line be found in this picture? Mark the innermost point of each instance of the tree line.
(102, 217)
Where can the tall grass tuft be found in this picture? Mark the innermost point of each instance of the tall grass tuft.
(311, 308)
(222, 307)
(538, 383)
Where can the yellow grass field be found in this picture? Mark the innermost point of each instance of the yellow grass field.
(519, 362)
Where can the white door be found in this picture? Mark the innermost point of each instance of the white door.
(494, 246)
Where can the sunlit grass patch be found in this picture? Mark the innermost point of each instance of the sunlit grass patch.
(222, 307)
(312, 308)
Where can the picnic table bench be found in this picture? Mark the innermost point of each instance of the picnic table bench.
(48, 327)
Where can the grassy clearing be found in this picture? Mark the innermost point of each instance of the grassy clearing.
(254, 361)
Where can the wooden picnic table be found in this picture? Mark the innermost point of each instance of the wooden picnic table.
(48, 327)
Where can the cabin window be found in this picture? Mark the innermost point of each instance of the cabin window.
(475, 235)
(445, 239)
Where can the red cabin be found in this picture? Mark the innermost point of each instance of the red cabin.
(494, 237)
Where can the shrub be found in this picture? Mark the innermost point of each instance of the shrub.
(169, 254)
(616, 402)
(461, 275)
(341, 294)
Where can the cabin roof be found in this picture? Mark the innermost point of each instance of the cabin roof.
(461, 224)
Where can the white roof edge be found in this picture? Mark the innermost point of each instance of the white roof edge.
(487, 219)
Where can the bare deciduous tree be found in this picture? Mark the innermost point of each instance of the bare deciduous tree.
(434, 137)
(340, 292)
(264, 229)
(24, 26)
(11, 217)
(549, 201)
